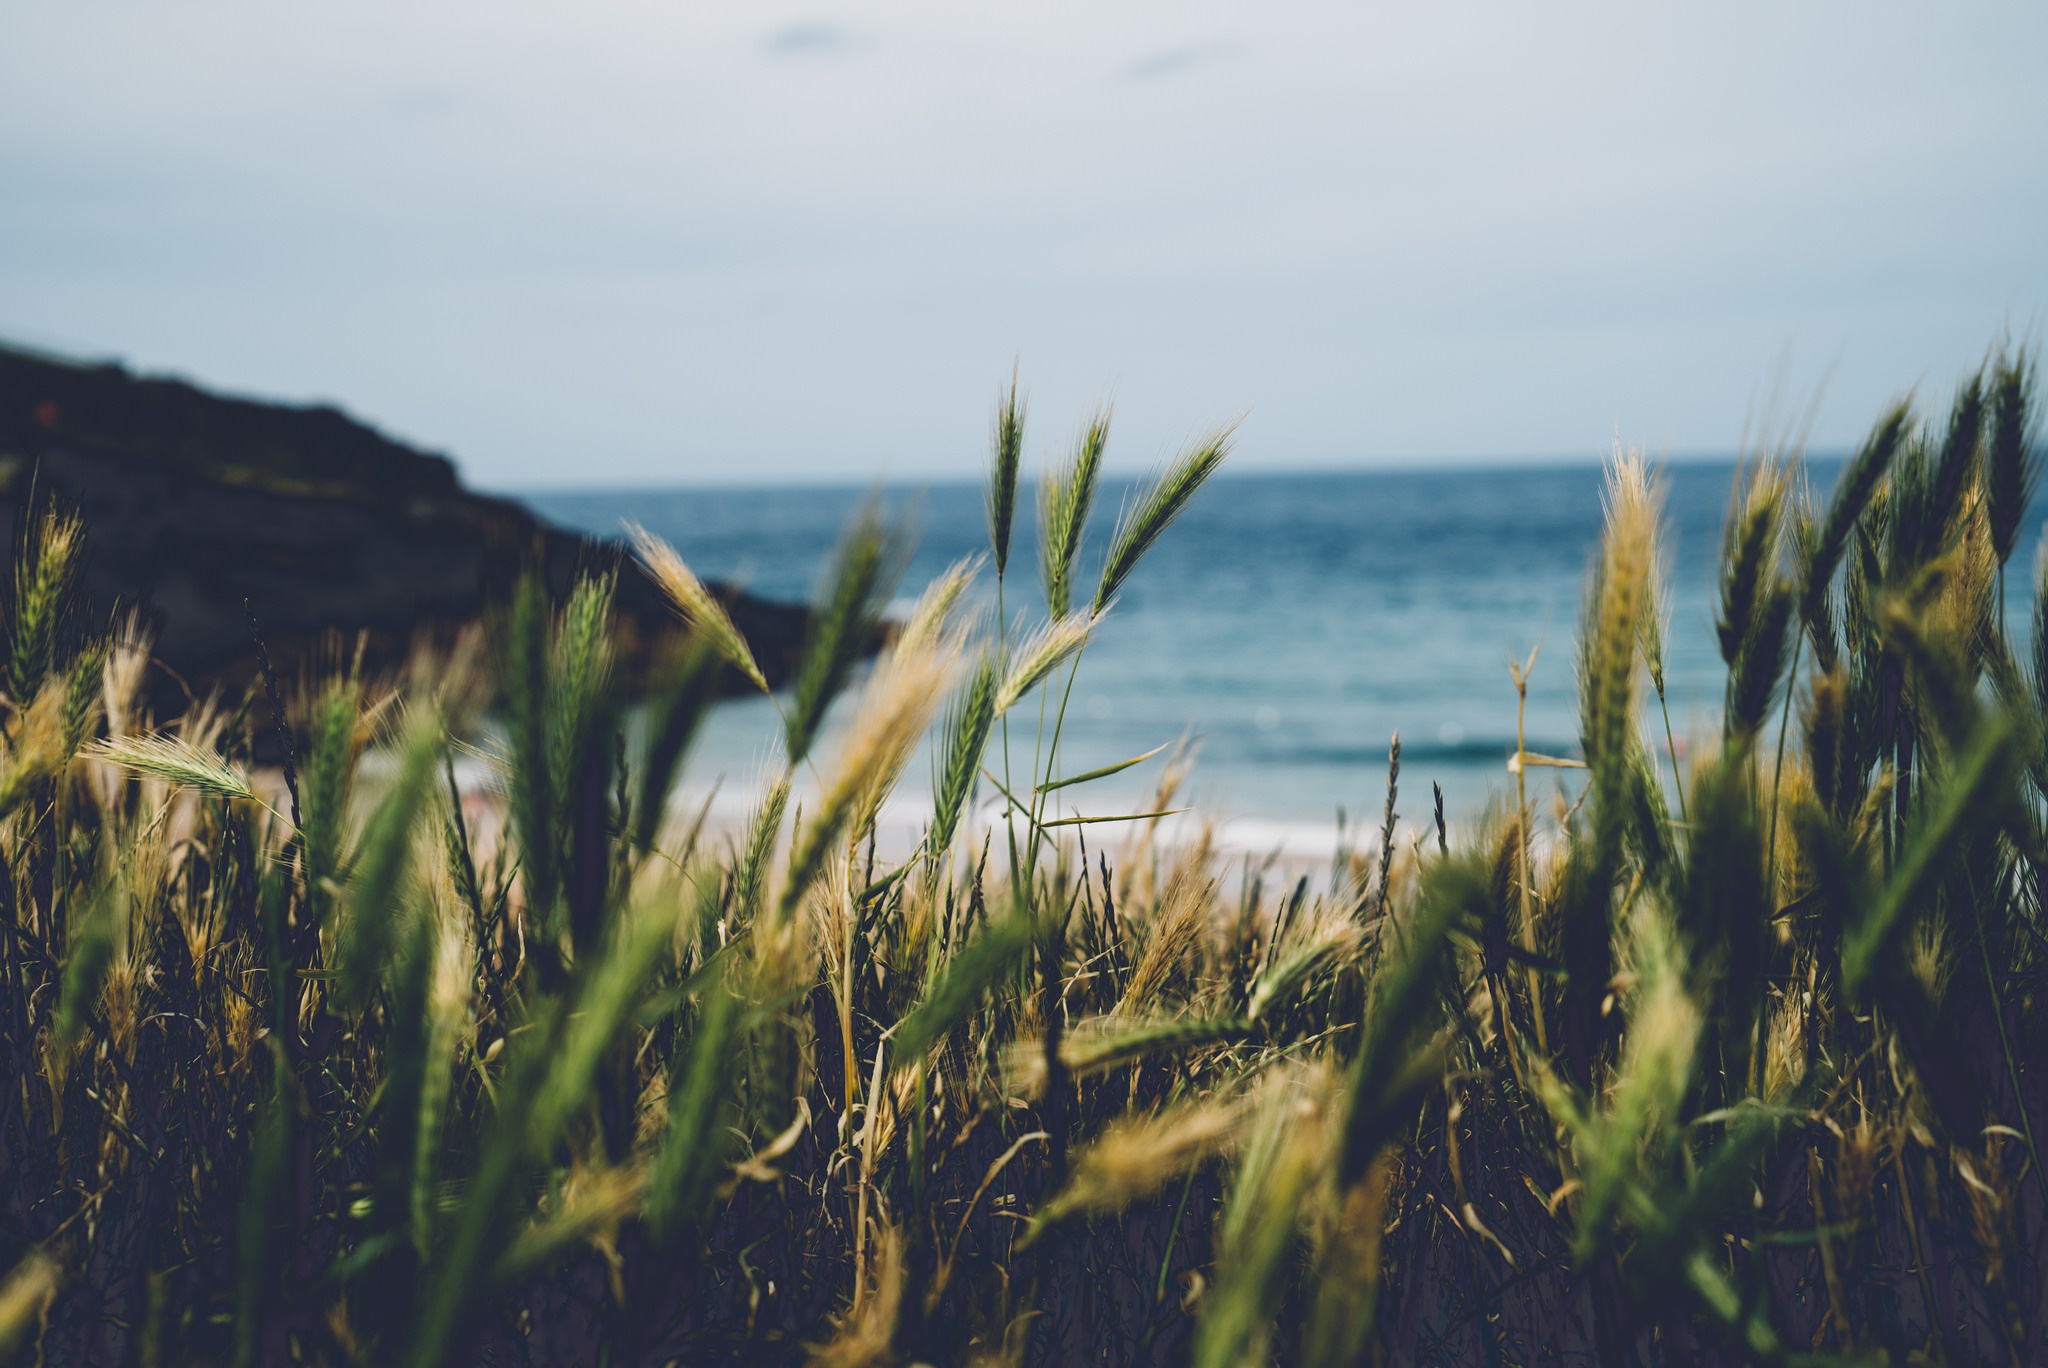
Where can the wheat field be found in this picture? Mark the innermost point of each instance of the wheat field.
(1727, 1062)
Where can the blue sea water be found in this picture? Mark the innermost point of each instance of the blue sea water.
(1294, 623)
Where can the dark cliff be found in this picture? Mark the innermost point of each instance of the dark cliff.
(194, 502)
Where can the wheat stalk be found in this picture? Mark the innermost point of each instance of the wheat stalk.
(1039, 654)
(174, 760)
(1002, 485)
(694, 602)
(1064, 501)
(1143, 522)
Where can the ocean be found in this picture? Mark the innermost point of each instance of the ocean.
(1291, 623)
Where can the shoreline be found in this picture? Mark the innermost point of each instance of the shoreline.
(1271, 841)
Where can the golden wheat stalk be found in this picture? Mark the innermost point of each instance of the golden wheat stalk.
(932, 616)
(1617, 602)
(896, 706)
(174, 760)
(1039, 654)
(1182, 914)
(703, 612)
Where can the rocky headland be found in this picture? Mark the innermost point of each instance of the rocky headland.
(196, 503)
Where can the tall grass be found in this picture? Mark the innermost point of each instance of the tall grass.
(367, 1071)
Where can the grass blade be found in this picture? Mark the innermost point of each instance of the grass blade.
(604, 1005)
(384, 859)
(682, 700)
(958, 989)
(525, 679)
(1971, 796)
(1118, 817)
(327, 786)
(701, 1108)
(847, 618)
(1107, 770)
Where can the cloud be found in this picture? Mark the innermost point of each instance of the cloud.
(810, 40)
(554, 231)
(1175, 60)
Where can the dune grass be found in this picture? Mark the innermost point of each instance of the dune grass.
(361, 1073)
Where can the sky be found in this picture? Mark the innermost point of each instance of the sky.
(646, 242)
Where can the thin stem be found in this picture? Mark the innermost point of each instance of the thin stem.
(1759, 1064)
(1671, 749)
(1778, 776)
(917, 1142)
(1166, 1260)
(1022, 878)
(1039, 799)
(1009, 804)
(1527, 881)
(849, 1066)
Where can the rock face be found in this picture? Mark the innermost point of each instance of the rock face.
(194, 502)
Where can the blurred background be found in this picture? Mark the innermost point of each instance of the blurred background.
(650, 242)
(724, 267)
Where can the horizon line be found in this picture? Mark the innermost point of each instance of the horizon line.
(1400, 466)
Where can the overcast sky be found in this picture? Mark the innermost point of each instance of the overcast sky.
(617, 243)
